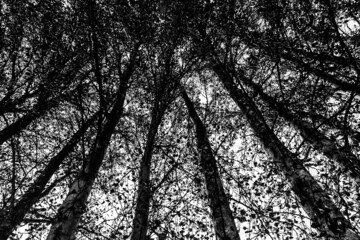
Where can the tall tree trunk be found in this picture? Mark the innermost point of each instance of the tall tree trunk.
(144, 192)
(324, 214)
(223, 220)
(74, 205)
(163, 95)
(345, 158)
(10, 218)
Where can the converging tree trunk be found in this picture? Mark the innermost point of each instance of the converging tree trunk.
(223, 220)
(163, 90)
(11, 217)
(274, 76)
(324, 214)
(345, 158)
(144, 191)
(74, 205)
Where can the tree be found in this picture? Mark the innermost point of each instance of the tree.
(345, 158)
(75, 203)
(223, 220)
(162, 97)
(313, 198)
(12, 216)
(97, 143)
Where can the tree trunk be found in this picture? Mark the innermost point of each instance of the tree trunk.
(74, 205)
(324, 214)
(144, 192)
(9, 219)
(346, 159)
(223, 220)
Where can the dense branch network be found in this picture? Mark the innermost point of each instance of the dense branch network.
(139, 120)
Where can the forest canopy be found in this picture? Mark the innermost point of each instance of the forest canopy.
(182, 119)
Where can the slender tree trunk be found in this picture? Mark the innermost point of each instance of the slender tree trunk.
(223, 220)
(324, 214)
(144, 192)
(9, 219)
(345, 158)
(74, 205)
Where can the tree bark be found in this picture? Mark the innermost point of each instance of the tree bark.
(223, 220)
(10, 218)
(69, 214)
(348, 162)
(324, 214)
(144, 192)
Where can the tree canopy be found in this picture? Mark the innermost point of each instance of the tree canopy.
(183, 119)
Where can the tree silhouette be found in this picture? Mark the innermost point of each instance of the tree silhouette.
(127, 119)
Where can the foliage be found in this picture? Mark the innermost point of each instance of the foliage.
(61, 62)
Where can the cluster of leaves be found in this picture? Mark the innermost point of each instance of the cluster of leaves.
(303, 54)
